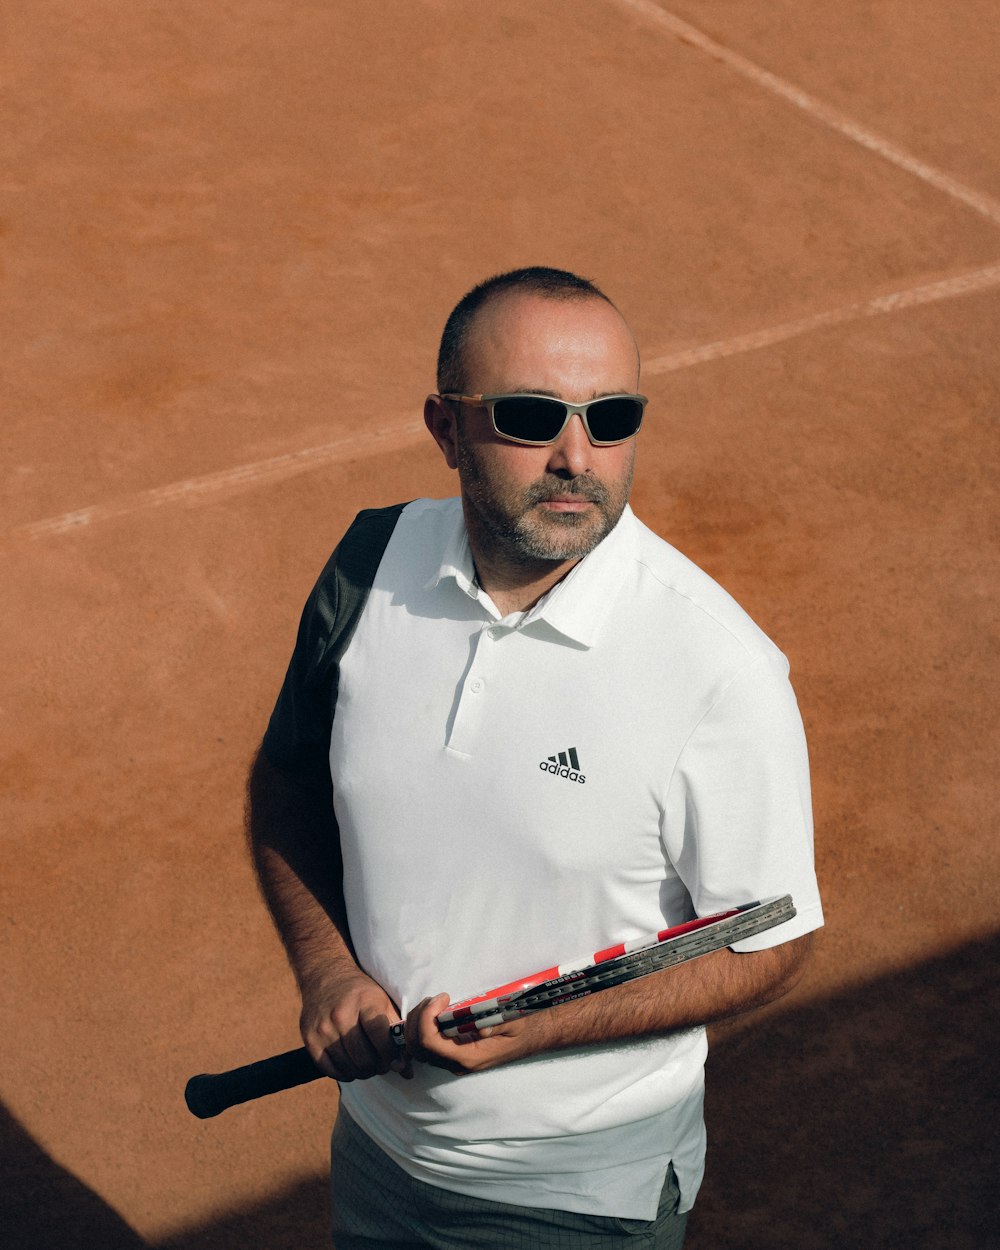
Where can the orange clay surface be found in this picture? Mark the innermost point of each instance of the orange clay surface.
(230, 236)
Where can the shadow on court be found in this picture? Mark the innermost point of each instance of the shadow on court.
(868, 1119)
(45, 1207)
(298, 1218)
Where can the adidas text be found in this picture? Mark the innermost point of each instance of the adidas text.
(565, 764)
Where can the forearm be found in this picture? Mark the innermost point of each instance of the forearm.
(700, 992)
(697, 993)
(295, 846)
(293, 840)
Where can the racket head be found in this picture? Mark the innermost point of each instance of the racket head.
(621, 962)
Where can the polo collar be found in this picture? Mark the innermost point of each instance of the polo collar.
(457, 563)
(577, 606)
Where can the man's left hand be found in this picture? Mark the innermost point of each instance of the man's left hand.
(503, 1043)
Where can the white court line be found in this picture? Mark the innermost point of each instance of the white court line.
(980, 203)
(909, 297)
(230, 481)
(404, 433)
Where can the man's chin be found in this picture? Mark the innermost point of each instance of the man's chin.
(563, 535)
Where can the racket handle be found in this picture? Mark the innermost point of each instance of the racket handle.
(210, 1093)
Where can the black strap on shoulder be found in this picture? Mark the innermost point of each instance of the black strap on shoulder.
(298, 734)
(358, 557)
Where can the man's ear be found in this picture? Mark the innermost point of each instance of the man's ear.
(439, 417)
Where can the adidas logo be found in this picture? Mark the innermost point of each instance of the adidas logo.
(564, 764)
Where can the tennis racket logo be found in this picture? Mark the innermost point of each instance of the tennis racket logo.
(564, 764)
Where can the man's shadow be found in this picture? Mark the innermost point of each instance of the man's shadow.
(45, 1207)
(864, 1119)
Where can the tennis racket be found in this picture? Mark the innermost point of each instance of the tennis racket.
(626, 961)
(211, 1093)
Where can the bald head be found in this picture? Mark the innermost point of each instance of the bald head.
(575, 348)
(476, 311)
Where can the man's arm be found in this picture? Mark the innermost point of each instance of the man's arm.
(295, 846)
(714, 987)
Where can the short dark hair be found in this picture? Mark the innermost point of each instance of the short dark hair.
(535, 280)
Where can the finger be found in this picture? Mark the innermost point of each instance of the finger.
(347, 1064)
(323, 1049)
(411, 1030)
(346, 1056)
(463, 1039)
(377, 1030)
(421, 1027)
(362, 1052)
(323, 1061)
(334, 1061)
(424, 1039)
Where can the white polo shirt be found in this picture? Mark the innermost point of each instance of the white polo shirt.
(514, 791)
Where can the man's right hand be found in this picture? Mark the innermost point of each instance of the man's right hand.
(345, 1024)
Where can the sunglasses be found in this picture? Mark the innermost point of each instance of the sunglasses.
(539, 419)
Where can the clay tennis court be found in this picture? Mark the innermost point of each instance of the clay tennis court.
(231, 234)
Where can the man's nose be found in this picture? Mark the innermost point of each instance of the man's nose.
(571, 453)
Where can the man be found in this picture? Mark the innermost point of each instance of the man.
(534, 616)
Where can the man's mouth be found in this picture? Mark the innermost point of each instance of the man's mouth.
(567, 503)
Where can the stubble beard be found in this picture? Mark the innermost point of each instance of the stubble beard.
(518, 531)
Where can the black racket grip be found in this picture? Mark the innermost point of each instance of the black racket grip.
(210, 1093)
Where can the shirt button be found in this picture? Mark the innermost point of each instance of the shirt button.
(476, 685)
(494, 632)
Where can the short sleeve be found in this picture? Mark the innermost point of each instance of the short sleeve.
(738, 818)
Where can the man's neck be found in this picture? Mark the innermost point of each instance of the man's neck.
(515, 587)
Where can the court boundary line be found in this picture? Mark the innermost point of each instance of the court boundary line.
(980, 202)
(392, 437)
(225, 482)
(894, 301)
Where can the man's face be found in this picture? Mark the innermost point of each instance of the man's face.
(557, 502)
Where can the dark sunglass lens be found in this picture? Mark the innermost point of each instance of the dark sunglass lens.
(528, 418)
(612, 420)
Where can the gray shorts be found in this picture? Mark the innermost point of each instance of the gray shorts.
(378, 1206)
